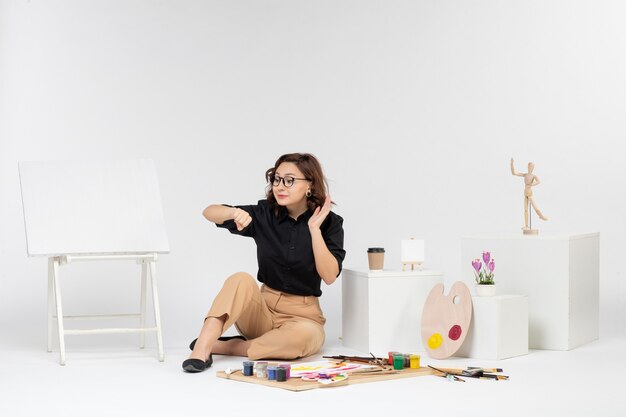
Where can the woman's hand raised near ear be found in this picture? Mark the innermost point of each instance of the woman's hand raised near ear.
(319, 215)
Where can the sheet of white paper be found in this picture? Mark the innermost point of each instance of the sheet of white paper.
(329, 367)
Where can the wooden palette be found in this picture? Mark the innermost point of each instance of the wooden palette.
(446, 320)
(297, 384)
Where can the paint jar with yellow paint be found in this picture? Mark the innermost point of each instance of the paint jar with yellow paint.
(415, 361)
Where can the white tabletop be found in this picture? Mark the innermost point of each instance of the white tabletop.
(392, 273)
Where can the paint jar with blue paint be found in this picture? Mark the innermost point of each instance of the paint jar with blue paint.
(271, 373)
(248, 368)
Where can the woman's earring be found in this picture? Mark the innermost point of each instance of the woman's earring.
(308, 193)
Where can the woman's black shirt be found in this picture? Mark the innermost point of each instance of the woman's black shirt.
(284, 248)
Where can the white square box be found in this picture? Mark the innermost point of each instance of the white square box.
(560, 274)
(382, 311)
(499, 328)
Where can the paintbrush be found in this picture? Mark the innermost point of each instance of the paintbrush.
(360, 359)
(480, 373)
(447, 375)
(368, 372)
(474, 373)
(486, 369)
(373, 360)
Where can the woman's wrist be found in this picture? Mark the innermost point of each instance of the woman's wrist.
(314, 230)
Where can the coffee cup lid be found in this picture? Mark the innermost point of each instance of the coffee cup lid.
(375, 250)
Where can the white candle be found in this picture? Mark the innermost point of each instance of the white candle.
(412, 250)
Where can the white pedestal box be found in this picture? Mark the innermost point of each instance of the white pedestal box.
(560, 276)
(499, 328)
(382, 311)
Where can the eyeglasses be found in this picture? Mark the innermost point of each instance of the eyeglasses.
(287, 181)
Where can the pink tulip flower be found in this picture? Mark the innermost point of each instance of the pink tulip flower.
(486, 257)
(492, 265)
(476, 264)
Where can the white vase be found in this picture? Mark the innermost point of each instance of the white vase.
(485, 290)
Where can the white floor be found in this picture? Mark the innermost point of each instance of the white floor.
(587, 381)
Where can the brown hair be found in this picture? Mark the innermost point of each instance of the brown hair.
(312, 171)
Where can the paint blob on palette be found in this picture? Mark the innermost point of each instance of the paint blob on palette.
(446, 320)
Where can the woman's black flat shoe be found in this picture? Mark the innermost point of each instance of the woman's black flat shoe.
(222, 339)
(197, 365)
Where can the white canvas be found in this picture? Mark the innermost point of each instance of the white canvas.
(85, 207)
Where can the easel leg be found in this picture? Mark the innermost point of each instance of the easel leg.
(157, 313)
(142, 304)
(50, 301)
(59, 308)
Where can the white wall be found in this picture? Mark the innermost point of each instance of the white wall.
(414, 109)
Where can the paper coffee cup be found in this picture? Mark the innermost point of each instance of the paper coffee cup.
(376, 258)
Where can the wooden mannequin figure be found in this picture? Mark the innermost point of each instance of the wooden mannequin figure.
(530, 180)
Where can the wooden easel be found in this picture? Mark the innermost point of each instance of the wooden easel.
(413, 264)
(79, 211)
(412, 253)
(55, 305)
